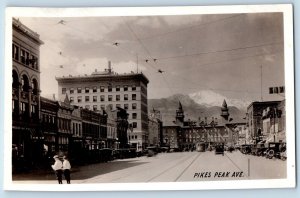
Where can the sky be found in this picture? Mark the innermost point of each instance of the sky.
(236, 57)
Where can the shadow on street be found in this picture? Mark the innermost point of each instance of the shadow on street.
(80, 172)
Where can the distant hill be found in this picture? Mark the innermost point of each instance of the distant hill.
(192, 110)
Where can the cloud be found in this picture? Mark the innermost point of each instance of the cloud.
(171, 39)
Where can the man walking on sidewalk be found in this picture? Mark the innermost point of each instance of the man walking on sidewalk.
(57, 167)
(66, 169)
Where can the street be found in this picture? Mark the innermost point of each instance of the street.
(170, 167)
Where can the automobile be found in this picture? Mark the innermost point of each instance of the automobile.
(219, 149)
(274, 150)
(246, 148)
(258, 149)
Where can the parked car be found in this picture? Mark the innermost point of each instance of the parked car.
(219, 149)
(273, 150)
(258, 149)
(246, 148)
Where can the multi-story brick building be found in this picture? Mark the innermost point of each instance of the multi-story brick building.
(25, 92)
(107, 88)
(273, 121)
(254, 118)
(187, 134)
(49, 127)
(155, 128)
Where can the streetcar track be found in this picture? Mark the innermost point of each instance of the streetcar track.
(236, 165)
(168, 169)
(142, 170)
(188, 166)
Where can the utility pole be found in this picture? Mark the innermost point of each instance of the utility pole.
(137, 63)
(261, 98)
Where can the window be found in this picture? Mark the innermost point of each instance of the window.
(134, 115)
(125, 96)
(133, 96)
(134, 124)
(23, 56)
(109, 97)
(102, 98)
(94, 107)
(87, 106)
(133, 88)
(24, 107)
(102, 107)
(27, 58)
(125, 106)
(71, 90)
(33, 109)
(118, 105)
(15, 52)
(79, 90)
(79, 99)
(117, 97)
(71, 99)
(87, 98)
(109, 88)
(133, 105)
(94, 89)
(87, 90)
(125, 88)
(94, 98)
(118, 88)
(63, 90)
(101, 89)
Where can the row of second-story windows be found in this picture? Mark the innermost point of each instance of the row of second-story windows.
(25, 57)
(24, 108)
(101, 89)
(77, 129)
(91, 130)
(102, 98)
(64, 124)
(103, 107)
(48, 119)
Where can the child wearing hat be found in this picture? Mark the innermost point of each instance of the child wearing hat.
(66, 169)
(57, 167)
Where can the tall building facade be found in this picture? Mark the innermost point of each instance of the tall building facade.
(255, 118)
(25, 93)
(107, 88)
(155, 128)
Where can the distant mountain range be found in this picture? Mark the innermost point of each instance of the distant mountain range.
(192, 110)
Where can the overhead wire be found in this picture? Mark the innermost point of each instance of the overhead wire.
(190, 27)
(220, 51)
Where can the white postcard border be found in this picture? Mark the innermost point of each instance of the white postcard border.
(151, 11)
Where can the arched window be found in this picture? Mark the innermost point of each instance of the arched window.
(15, 83)
(25, 83)
(34, 85)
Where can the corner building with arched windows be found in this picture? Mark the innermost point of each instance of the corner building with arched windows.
(26, 133)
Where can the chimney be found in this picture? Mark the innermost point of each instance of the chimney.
(109, 67)
(53, 96)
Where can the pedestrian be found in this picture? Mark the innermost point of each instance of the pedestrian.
(57, 167)
(66, 169)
